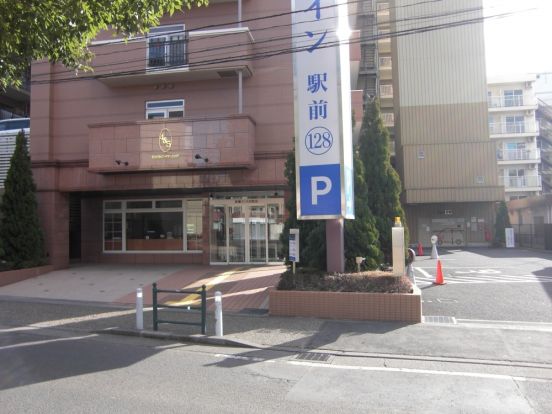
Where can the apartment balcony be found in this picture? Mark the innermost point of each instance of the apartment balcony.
(188, 56)
(383, 13)
(172, 144)
(388, 119)
(513, 129)
(385, 67)
(384, 41)
(512, 103)
(386, 91)
(517, 156)
(523, 183)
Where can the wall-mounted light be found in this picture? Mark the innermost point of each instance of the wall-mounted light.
(199, 157)
(119, 162)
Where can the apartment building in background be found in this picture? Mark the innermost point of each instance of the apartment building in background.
(173, 149)
(514, 129)
(444, 155)
(544, 119)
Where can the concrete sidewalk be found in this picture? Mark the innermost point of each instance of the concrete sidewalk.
(514, 345)
(243, 287)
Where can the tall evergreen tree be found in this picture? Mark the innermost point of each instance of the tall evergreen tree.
(312, 233)
(382, 181)
(20, 233)
(361, 234)
(501, 223)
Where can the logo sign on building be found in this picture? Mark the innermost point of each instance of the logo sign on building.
(323, 127)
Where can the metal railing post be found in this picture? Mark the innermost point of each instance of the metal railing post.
(203, 309)
(154, 302)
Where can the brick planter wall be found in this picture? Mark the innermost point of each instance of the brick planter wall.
(14, 276)
(405, 307)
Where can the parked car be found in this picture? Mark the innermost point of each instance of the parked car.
(15, 124)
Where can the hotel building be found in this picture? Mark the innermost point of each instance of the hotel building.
(173, 149)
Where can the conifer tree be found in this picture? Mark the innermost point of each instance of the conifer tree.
(20, 233)
(501, 223)
(382, 181)
(312, 233)
(361, 234)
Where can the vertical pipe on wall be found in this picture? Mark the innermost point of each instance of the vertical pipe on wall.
(239, 13)
(240, 92)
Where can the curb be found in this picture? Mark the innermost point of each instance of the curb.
(200, 339)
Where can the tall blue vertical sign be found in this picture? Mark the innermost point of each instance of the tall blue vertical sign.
(323, 130)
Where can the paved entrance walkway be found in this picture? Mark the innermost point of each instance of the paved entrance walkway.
(244, 288)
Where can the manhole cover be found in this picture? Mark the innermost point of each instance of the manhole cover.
(314, 356)
(440, 319)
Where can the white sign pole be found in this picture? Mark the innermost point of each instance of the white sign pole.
(323, 125)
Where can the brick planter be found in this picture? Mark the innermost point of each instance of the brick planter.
(14, 276)
(405, 307)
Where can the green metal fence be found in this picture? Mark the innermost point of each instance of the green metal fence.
(202, 307)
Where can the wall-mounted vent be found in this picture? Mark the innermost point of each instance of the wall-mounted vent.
(227, 73)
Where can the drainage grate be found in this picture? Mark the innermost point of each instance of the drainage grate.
(440, 319)
(314, 356)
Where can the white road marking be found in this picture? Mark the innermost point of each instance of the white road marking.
(45, 341)
(479, 276)
(391, 369)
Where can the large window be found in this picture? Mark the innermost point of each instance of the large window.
(153, 225)
(165, 109)
(167, 47)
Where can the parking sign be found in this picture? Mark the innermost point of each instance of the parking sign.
(323, 129)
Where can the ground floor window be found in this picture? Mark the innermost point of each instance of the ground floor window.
(153, 226)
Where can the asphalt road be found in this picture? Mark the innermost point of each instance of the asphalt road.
(50, 371)
(488, 284)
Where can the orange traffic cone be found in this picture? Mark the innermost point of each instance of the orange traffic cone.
(420, 249)
(439, 280)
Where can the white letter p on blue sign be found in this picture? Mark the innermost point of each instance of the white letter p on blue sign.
(319, 191)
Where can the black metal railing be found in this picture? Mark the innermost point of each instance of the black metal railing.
(167, 53)
(203, 307)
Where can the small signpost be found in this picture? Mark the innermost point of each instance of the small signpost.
(509, 234)
(293, 247)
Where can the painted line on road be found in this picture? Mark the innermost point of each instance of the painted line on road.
(392, 369)
(45, 341)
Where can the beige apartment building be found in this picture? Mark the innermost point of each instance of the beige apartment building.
(444, 154)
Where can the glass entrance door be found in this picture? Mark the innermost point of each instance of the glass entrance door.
(245, 232)
(257, 234)
(236, 234)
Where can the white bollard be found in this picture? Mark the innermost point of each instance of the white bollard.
(139, 309)
(434, 252)
(218, 314)
(397, 240)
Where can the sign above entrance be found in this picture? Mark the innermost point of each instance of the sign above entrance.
(323, 130)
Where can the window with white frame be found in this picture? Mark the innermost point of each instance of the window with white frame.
(172, 225)
(167, 47)
(165, 109)
(513, 97)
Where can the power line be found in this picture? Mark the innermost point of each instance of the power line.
(282, 38)
(257, 43)
(272, 53)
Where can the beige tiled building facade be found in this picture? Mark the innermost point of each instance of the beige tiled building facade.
(432, 88)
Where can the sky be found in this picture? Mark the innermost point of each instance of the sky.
(521, 43)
